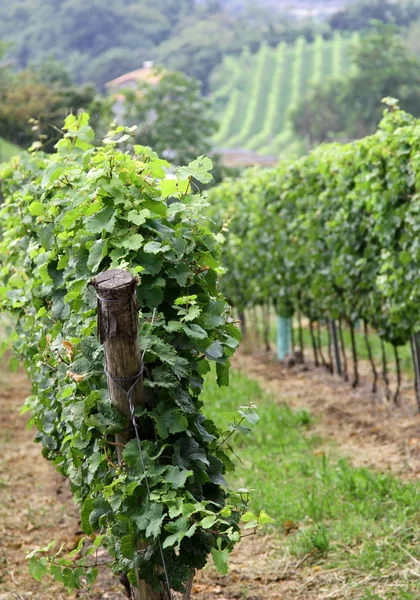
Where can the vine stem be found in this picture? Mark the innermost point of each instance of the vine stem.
(311, 329)
(354, 352)
(385, 370)
(330, 354)
(397, 395)
(343, 350)
(370, 354)
(319, 336)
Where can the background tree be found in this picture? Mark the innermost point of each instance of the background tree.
(105, 38)
(350, 107)
(33, 104)
(359, 15)
(172, 117)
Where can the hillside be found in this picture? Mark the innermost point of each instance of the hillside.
(7, 150)
(253, 93)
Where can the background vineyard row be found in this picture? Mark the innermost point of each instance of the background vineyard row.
(254, 93)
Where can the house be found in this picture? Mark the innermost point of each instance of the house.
(130, 81)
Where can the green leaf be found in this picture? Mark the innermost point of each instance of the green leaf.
(214, 351)
(222, 371)
(150, 522)
(128, 546)
(37, 209)
(85, 513)
(37, 567)
(199, 169)
(179, 529)
(264, 518)
(194, 331)
(169, 420)
(177, 477)
(220, 559)
(208, 522)
(104, 220)
(138, 217)
(96, 254)
(155, 248)
(133, 242)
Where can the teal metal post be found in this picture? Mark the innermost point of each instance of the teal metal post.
(284, 337)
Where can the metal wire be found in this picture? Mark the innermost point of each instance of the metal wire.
(112, 300)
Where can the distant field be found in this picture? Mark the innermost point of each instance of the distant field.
(7, 150)
(253, 93)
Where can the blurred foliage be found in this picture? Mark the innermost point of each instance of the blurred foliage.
(103, 39)
(359, 15)
(33, 104)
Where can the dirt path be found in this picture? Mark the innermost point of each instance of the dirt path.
(368, 430)
(36, 507)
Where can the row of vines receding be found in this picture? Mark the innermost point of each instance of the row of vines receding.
(332, 238)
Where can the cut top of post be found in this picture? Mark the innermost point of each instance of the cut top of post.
(117, 304)
(113, 284)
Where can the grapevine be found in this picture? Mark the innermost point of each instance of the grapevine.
(256, 92)
(336, 54)
(273, 102)
(318, 48)
(295, 83)
(67, 217)
(333, 234)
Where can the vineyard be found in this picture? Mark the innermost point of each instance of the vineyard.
(333, 237)
(254, 93)
(119, 306)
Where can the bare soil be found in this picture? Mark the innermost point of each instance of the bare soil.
(36, 506)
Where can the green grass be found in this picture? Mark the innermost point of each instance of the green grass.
(348, 518)
(240, 73)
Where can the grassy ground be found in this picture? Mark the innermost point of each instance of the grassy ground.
(328, 513)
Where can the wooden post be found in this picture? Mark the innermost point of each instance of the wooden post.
(311, 329)
(118, 332)
(283, 337)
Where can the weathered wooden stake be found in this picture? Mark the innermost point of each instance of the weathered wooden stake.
(311, 329)
(118, 332)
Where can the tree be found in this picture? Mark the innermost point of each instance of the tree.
(34, 103)
(351, 107)
(359, 16)
(197, 46)
(172, 117)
